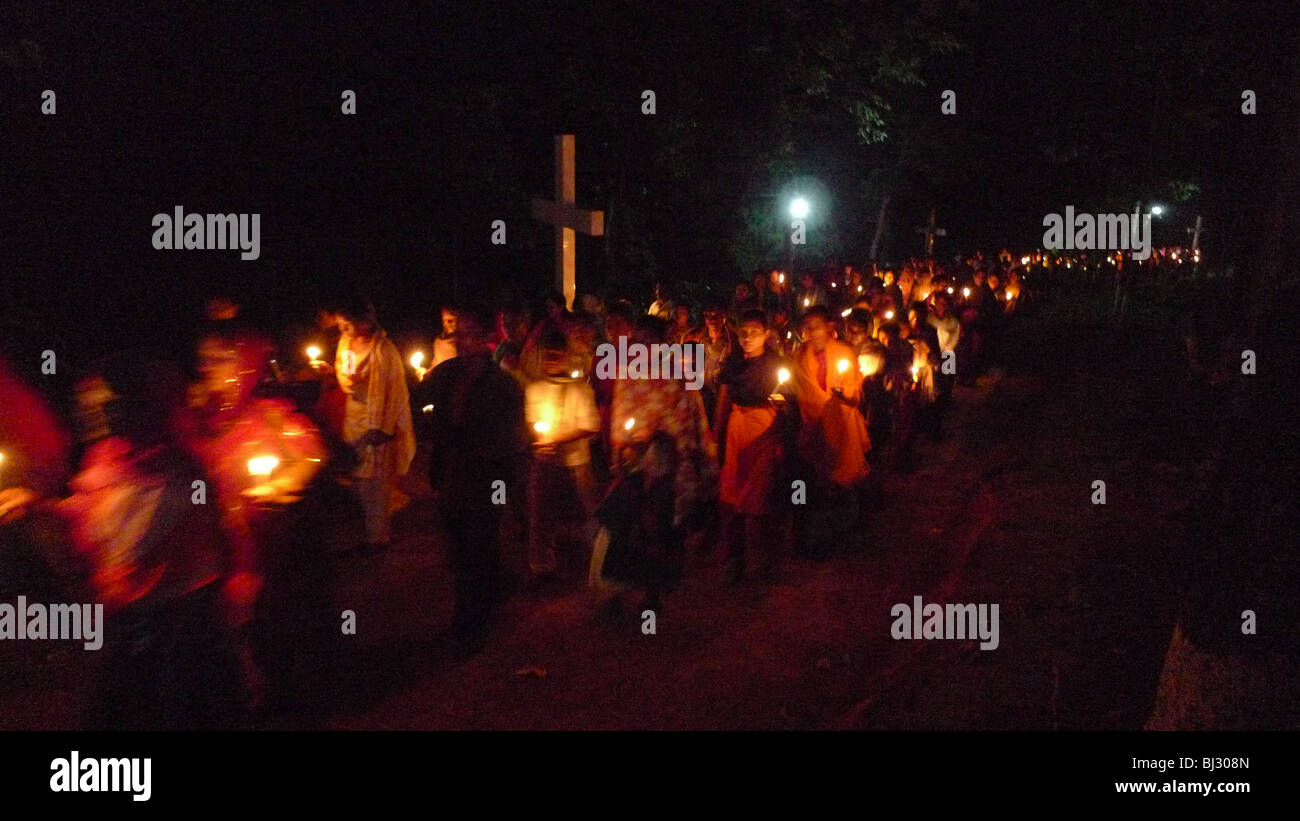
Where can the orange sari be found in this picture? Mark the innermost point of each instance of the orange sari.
(833, 436)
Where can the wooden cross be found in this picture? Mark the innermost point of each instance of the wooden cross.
(1196, 235)
(930, 233)
(567, 218)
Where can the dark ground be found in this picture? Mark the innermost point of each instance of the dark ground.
(999, 512)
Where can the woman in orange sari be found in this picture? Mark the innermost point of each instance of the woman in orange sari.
(833, 437)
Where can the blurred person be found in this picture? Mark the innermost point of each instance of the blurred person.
(561, 412)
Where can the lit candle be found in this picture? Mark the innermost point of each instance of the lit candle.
(806, 303)
(417, 359)
(950, 289)
(543, 427)
(313, 353)
(262, 465)
(782, 376)
(916, 372)
(846, 312)
(965, 292)
(1008, 296)
(576, 374)
(889, 314)
(859, 289)
(427, 409)
(843, 366)
(629, 424)
(780, 278)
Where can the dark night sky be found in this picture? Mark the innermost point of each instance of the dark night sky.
(237, 110)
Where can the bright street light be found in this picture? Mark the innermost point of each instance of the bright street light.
(799, 208)
(1157, 210)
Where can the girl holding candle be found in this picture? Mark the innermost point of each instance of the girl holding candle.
(833, 437)
(561, 411)
(746, 422)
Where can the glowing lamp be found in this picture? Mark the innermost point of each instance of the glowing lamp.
(262, 465)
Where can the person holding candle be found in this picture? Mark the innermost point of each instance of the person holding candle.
(264, 458)
(948, 334)
(561, 411)
(377, 420)
(746, 425)
(833, 439)
(661, 445)
(155, 560)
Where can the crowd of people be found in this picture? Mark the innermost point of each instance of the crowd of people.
(203, 509)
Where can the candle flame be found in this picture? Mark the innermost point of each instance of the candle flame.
(950, 289)
(417, 359)
(427, 409)
(889, 314)
(542, 427)
(965, 291)
(1008, 296)
(843, 366)
(783, 376)
(313, 353)
(916, 372)
(806, 303)
(629, 424)
(846, 312)
(576, 374)
(262, 465)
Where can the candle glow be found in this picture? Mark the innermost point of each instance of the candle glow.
(782, 376)
(843, 366)
(543, 427)
(313, 353)
(262, 465)
(629, 424)
(417, 359)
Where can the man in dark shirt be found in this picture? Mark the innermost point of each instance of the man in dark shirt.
(479, 443)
